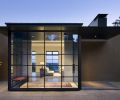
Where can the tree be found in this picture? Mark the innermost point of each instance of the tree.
(117, 22)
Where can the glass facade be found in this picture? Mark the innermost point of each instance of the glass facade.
(44, 60)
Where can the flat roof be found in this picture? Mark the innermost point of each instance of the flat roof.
(85, 32)
(44, 24)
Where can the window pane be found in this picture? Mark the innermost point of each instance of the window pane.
(55, 61)
(48, 57)
(33, 60)
(49, 52)
(48, 61)
(68, 60)
(33, 52)
(55, 56)
(55, 52)
(33, 57)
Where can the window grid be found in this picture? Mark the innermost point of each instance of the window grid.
(44, 60)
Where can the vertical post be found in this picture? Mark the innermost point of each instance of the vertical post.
(79, 62)
(44, 59)
(27, 58)
(61, 58)
(9, 60)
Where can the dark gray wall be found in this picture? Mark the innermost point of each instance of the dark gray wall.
(101, 60)
(102, 22)
(3, 54)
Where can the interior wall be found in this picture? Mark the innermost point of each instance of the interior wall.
(19, 61)
(101, 60)
(39, 49)
(68, 70)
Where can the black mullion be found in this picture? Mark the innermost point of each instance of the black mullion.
(40, 65)
(44, 30)
(21, 53)
(79, 62)
(16, 58)
(78, 55)
(44, 59)
(61, 58)
(9, 60)
(65, 76)
(43, 54)
(73, 56)
(27, 57)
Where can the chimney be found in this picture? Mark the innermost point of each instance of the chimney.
(99, 21)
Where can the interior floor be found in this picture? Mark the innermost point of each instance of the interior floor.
(50, 81)
(50, 85)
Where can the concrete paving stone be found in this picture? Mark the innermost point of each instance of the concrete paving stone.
(53, 95)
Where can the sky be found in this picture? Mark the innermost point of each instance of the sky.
(57, 11)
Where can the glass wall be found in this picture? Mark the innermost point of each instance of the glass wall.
(44, 60)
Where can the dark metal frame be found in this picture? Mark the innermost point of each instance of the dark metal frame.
(44, 89)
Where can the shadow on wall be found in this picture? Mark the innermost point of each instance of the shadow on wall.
(90, 51)
(101, 60)
(3, 57)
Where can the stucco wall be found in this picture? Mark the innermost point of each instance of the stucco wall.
(101, 60)
(3, 56)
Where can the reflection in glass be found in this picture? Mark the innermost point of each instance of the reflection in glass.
(53, 36)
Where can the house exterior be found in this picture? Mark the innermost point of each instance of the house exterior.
(59, 56)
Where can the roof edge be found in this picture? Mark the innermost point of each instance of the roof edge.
(44, 24)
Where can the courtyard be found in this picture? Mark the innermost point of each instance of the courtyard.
(57, 95)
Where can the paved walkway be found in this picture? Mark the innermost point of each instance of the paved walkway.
(71, 95)
(92, 85)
